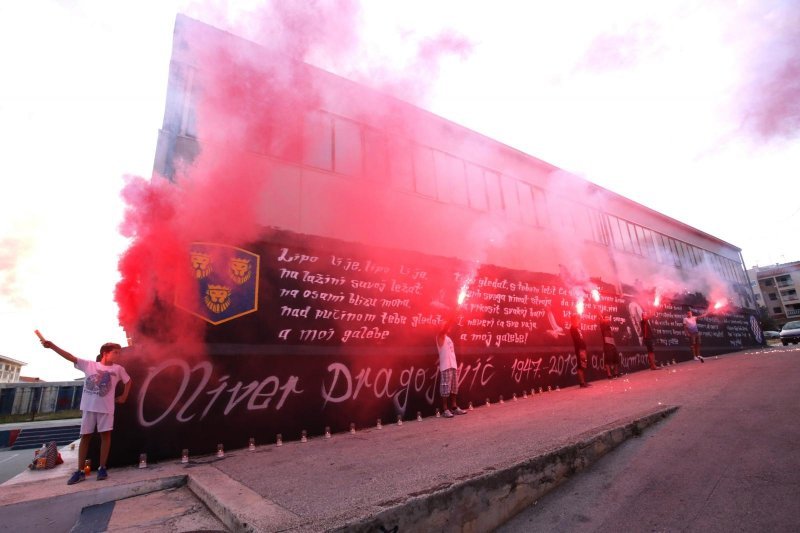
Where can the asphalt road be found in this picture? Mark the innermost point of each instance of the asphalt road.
(726, 461)
(12, 462)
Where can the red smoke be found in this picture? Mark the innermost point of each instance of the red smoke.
(246, 97)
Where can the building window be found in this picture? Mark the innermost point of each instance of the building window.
(527, 205)
(510, 197)
(401, 165)
(424, 171)
(777, 310)
(476, 187)
(318, 140)
(376, 157)
(347, 147)
(188, 97)
(451, 179)
(494, 192)
(773, 296)
(600, 227)
(616, 236)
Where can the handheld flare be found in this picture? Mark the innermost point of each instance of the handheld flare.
(579, 306)
(462, 295)
(595, 295)
(38, 334)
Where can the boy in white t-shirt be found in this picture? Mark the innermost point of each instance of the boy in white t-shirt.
(97, 401)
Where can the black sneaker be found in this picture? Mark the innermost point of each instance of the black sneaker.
(584, 385)
(77, 477)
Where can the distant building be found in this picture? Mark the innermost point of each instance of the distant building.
(40, 397)
(10, 369)
(776, 289)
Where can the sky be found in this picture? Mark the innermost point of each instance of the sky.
(690, 108)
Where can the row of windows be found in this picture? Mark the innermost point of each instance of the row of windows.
(639, 240)
(782, 281)
(632, 238)
(345, 147)
(339, 145)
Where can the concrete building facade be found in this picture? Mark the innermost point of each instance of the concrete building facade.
(777, 289)
(10, 369)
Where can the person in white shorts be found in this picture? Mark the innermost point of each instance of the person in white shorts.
(97, 401)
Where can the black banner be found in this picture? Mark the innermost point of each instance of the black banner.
(339, 333)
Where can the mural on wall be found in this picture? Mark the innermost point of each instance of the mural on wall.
(307, 332)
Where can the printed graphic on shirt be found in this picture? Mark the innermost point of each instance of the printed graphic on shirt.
(99, 383)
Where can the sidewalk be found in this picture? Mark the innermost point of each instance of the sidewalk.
(469, 473)
(40, 424)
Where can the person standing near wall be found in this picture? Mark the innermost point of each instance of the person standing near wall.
(610, 352)
(97, 402)
(580, 348)
(448, 372)
(692, 331)
(647, 337)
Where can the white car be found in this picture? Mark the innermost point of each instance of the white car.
(790, 333)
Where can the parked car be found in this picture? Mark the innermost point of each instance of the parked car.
(790, 333)
(769, 334)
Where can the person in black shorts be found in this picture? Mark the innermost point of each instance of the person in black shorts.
(580, 348)
(610, 352)
(647, 337)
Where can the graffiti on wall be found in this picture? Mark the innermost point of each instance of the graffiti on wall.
(339, 333)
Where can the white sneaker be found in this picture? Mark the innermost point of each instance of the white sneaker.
(459, 411)
(447, 414)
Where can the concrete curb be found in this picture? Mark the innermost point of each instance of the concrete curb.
(487, 501)
(235, 505)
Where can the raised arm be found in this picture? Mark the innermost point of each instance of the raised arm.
(63, 353)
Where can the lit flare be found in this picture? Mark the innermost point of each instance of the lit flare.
(462, 295)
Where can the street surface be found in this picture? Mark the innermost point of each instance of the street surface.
(726, 461)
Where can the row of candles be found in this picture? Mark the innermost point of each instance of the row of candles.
(327, 435)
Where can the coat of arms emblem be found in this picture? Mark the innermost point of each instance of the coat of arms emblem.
(226, 282)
